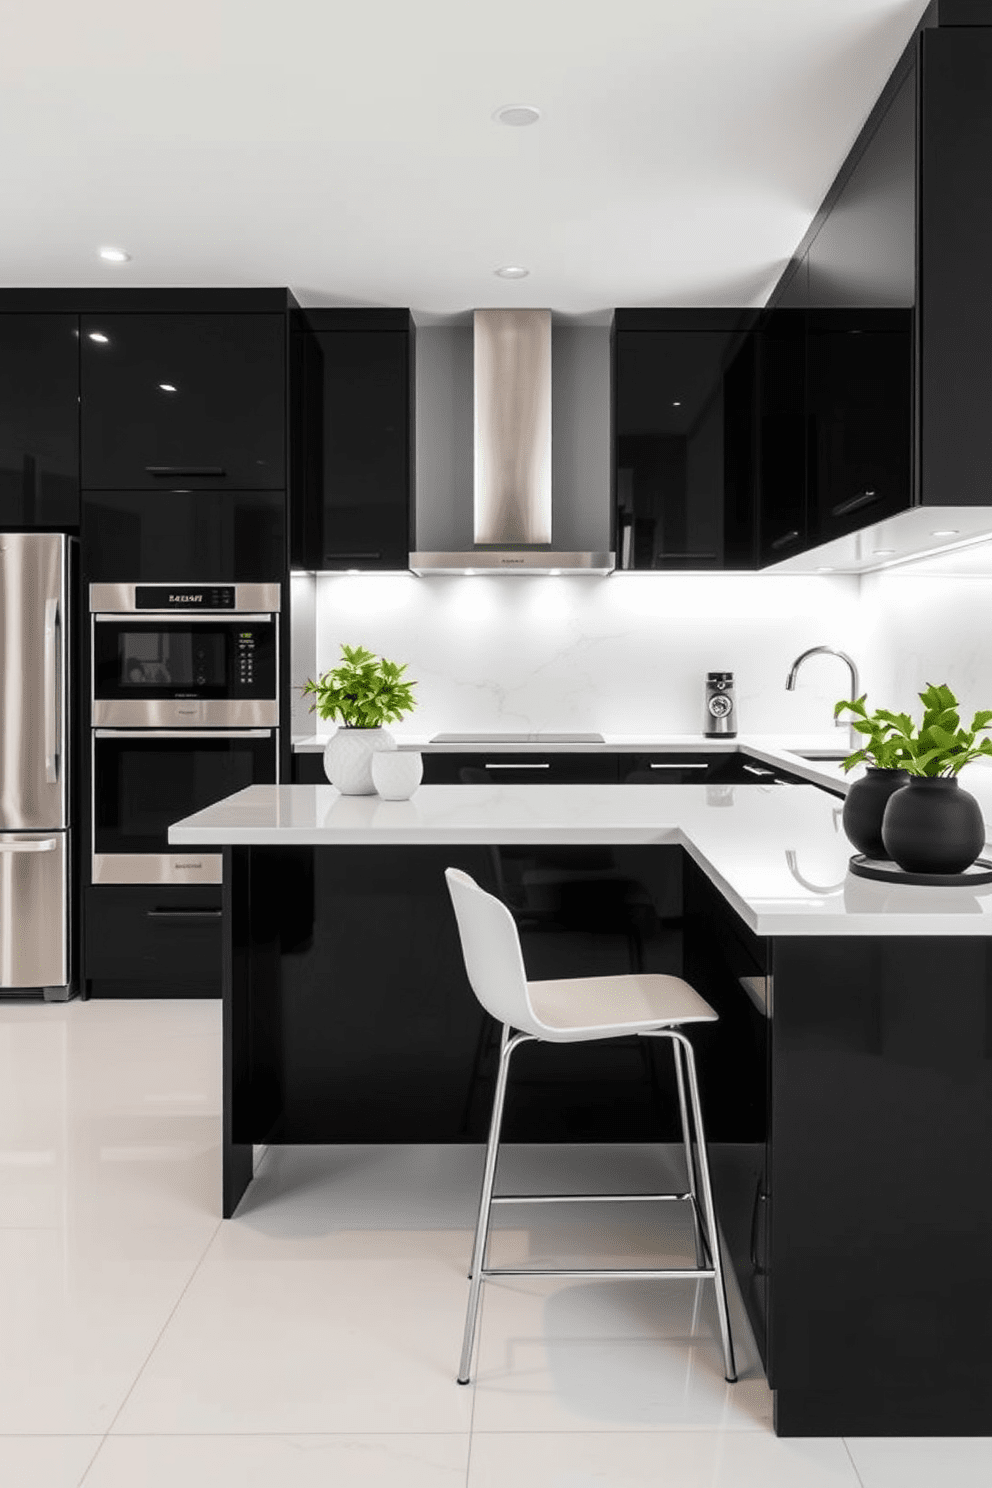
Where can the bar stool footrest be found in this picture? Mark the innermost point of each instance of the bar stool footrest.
(634, 1273)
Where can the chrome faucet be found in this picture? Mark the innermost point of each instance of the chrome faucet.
(853, 735)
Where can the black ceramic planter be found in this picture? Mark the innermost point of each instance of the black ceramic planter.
(864, 807)
(933, 826)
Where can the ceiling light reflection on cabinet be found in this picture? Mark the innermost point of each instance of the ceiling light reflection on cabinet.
(168, 387)
(512, 271)
(99, 337)
(115, 255)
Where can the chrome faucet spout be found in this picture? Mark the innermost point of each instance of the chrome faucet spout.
(790, 683)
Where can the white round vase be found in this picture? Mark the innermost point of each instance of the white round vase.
(397, 774)
(348, 756)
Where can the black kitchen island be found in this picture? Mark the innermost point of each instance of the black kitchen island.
(848, 1084)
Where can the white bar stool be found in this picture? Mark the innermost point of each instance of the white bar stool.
(579, 1010)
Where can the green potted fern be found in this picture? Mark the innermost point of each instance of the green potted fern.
(364, 692)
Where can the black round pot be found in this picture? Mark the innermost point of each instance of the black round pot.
(933, 826)
(864, 807)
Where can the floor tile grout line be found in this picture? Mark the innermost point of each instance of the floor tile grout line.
(158, 1339)
(854, 1465)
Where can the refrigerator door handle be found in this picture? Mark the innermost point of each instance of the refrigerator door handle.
(48, 844)
(52, 691)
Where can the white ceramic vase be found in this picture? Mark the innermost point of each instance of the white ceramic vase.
(348, 756)
(397, 774)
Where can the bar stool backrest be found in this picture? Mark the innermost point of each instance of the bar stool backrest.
(491, 948)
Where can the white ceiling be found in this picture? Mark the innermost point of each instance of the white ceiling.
(348, 150)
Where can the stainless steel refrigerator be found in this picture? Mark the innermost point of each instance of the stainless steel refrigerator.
(35, 939)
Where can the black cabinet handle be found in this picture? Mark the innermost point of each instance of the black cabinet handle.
(184, 914)
(784, 540)
(757, 1262)
(351, 555)
(166, 470)
(854, 503)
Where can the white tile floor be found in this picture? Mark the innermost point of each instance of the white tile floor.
(314, 1339)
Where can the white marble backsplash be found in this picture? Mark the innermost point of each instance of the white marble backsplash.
(930, 627)
(626, 654)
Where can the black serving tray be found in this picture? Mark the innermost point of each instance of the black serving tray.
(980, 872)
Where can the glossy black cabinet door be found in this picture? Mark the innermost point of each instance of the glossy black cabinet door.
(351, 504)
(782, 521)
(39, 421)
(153, 941)
(193, 536)
(859, 411)
(955, 278)
(683, 419)
(183, 400)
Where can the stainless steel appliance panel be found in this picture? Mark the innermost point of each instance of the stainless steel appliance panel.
(122, 599)
(34, 938)
(33, 682)
(190, 867)
(164, 713)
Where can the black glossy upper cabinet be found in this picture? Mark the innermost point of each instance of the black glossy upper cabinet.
(352, 399)
(781, 462)
(683, 420)
(39, 420)
(188, 398)
(955, 261)
(859, 352)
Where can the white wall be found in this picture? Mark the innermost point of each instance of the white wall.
(626, 654)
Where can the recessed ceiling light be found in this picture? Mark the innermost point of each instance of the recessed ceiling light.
(512, 271)
(946, 532)
(99, 336)
(882, 552)
(167, 387)
(115, 255)
(517, 114)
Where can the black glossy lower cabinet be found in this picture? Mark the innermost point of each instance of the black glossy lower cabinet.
(144, 940)
(847, 1089)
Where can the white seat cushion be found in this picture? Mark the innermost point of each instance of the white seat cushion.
(607, 1007)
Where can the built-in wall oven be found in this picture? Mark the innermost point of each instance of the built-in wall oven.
(185, 708)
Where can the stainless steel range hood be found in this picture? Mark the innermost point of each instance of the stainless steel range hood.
(512, 456)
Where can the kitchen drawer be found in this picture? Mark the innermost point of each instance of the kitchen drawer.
(503, 768)
(150, 933)
(658, 768)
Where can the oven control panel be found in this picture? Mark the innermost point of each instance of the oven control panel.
(246, 658)
(184, 596)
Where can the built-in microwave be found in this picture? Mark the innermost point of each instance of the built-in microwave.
(143, 780)
(184, 655)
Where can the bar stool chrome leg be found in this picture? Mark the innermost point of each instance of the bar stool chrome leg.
(709, 1214)
(690, 1164)
(507, 1046)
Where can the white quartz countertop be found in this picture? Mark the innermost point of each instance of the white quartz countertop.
(777, 853)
